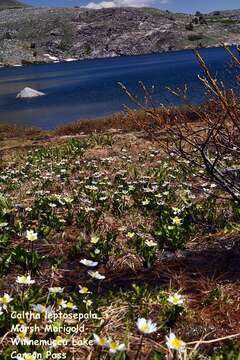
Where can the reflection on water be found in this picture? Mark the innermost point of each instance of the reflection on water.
(89, 89)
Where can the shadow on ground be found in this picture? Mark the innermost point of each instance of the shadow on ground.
(221, 263)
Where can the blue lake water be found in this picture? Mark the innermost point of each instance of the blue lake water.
(89, 89)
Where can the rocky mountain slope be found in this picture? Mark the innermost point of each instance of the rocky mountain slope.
(11, 4)
(45, 35)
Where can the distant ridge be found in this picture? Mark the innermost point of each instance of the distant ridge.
(11, 4)
(43, 35)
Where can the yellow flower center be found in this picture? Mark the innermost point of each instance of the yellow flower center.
(175, 300)
(94, 240)
(58, 340)
(22, 334)
(70, 305)
(29, 357)
(177, 343)
(130, 234)
(113, 345)
(177, 221)
(145, 328)
(4, 300)
(102, 341)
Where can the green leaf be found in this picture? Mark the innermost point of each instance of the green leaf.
(158, 356)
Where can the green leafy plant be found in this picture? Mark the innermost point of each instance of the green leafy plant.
(26, 260)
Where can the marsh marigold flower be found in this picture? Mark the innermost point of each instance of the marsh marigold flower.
(177, 221)
(100, 341)
(173, 343)
(58, 341)
(70, 305)
(25, 280)
(130, 235)
(150, 243)
(41, 309)
(31, 235)
(114, 346)
(96, 275)
(55, 290)
(176, 299)
(146, 326)
(88, 302)
(5, 300)
(83, 290)
(94, 239)
(89, 263)
(26, 357)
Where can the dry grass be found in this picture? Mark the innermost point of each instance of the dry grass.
(131, 120)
